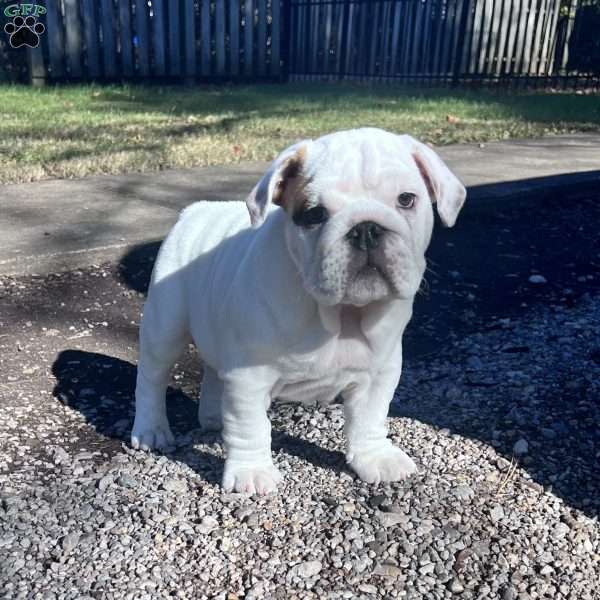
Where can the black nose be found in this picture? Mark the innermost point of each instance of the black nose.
(365, 236)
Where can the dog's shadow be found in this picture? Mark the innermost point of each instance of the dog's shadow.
(102, 389)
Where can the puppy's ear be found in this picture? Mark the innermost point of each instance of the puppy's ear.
(445, 189)
(283, 180)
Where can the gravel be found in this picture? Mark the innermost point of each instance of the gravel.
(498, 404)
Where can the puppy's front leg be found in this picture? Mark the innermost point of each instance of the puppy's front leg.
(369, 452)
(249, 467)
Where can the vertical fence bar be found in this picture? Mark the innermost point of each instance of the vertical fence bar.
(550, 35)
(158, 37)
(535, 50)
(350, 39)
(206, 62)
(220, 35)
(73, 37)
(502, 34)
(439, 37)
(398, 6)
(234, 37)
(530, 27)
(36, 69)
(174, 37)
(109, 55)
(262, 38)
(125, 39)
(521, 33)
(275, 38)
(512, 35)
(341, 27)
(485, 36)
(248, 37)
(55, 36)
(327, 39)
(90, 32)
(492, 51)
(143, 39)
(189, 38)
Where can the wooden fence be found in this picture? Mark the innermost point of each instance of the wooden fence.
(159, 39)
(436, 40)
(415, 40)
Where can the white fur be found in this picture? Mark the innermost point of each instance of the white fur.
(277, 310)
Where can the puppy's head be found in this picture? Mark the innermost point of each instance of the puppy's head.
(359, 207)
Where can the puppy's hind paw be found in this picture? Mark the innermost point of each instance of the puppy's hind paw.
(146, 436)
(248, 479)
(388, 464)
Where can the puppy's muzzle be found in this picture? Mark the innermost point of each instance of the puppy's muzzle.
(365, 236)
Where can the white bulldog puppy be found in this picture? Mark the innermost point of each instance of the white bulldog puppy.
(303, 293)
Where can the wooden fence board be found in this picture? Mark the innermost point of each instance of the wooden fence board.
(512, 36)
(261, 40)
(549, 28)
(220, 35)
(56, 40)
(540, 18)
(109, 53)
(398, 9)
(327, 57)
(73, 38)
(189, 39)
(485, 35)
(476, 36)
(407, 38)
(90, 34)
(417, 38)
(206, 56)
(529, 32)
(350, 38)
(552, 48)
(374, 38)
(340, 22)
(521, 34)
(446, 64)
(439, 36)
(385, 38)
(502, 35)
(143, 39)
(125, 38)
(492, 50)
(158, 37)
(174, 52)
(234, 37)
(456, 35)
(315, 25)
(468, 38)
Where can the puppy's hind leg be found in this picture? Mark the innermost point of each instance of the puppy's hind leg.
(163, 339)
(210, 411)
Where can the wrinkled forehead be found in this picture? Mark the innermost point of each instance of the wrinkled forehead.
(360, 163)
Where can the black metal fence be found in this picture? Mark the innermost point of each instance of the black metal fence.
(552, 42)
(530, 42)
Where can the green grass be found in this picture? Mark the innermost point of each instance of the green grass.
(81, 130)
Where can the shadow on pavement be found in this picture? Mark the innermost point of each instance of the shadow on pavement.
(102, 389)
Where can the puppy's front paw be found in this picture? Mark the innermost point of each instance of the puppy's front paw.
(147, 434)
(388, 464)
(260, 479)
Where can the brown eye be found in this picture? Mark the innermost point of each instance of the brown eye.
(406, 200)
(311, 217)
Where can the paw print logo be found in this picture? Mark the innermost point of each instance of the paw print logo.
(24, 31)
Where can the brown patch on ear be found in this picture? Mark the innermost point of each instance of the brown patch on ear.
(424, 168)
(289, 191)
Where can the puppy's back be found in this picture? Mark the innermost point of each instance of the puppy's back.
(199, 229)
